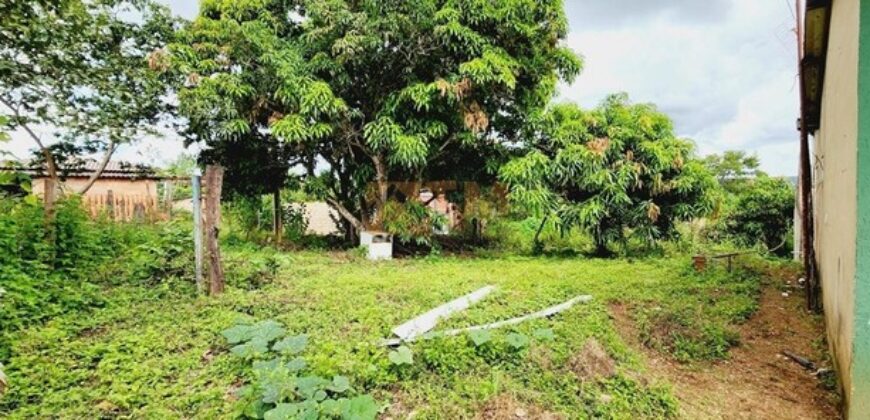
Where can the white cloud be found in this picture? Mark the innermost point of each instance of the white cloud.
(727, 83)
(723, 69)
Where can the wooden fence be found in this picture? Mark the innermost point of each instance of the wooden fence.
(124, 207)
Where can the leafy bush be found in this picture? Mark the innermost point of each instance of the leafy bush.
(280, 386)
(613, 171)
(411, 222)
(762, 212)
(50, 269)
(295, 221)
(163, 252)
(45, 268)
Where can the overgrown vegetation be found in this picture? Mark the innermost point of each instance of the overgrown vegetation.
(756, 209)
(615, 171)
(102, 320)
(156, 349)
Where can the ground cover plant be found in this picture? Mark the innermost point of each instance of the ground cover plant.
(164, 352)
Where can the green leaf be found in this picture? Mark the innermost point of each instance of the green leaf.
(268, 330)
(518, 341)
(480, 337)
(339, 384)
(277, 386)
(334, 408)
(237, 334)
(545, 334)
(250, 349)
(320, 395)
(296, 364)
(309, 385)
(264, 331)
(291, 345)
(255, 409)
(401, 356)
(263, 367)
(282, 412)
(363, 407)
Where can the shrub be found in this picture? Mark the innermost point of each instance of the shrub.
(411, 222)
(615, 171)
(762, 212)
(44, 268)
(50, 269)
(295, 221)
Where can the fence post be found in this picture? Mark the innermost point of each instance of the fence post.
(197, 227)
(110, 204)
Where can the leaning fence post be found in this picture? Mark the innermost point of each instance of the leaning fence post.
(197, 227)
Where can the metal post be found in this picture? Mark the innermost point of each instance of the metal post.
(197, 227)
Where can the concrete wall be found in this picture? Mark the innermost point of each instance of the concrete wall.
(859, 389)
(835, 183)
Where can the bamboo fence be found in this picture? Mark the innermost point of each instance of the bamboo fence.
(124, 207)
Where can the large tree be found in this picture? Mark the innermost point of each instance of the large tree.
(79, 68)
(379, 90)
(733, 168)
(614, 170)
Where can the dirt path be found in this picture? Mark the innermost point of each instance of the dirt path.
(757, 382)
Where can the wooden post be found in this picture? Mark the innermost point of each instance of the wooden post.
(806, 184)
(197, 229)
(277, 219)
(214, 175)
(110, 204)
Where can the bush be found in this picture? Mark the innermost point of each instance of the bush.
(762, 212)
(44, 268)
(295, 222)
(50, 269)
(411, 222)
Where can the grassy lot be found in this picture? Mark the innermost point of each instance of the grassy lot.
(157, 352)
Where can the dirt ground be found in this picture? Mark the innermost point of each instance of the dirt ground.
(757, 382)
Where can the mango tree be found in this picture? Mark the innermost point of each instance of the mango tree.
(377, 90)
(614, 171)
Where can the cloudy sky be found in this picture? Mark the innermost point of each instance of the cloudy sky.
(724, 70)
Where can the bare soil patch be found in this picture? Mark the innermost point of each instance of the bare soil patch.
(506, 407)
(757, 381)
(592, 362)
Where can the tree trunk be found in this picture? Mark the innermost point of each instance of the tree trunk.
(107, 156)
(383, 188)
(214, 175)
(277, 220)
(601, 249)
(50, 198)
(537, 245)
(345, 214)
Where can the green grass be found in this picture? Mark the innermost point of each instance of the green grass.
(157, 352)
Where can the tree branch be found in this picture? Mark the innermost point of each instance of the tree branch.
(345, 213)
(49, 158)
(100, 168)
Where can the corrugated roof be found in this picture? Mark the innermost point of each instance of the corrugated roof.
(85, 169)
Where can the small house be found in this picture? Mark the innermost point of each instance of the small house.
(126, 191)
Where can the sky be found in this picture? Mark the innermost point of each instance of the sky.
(724, 70)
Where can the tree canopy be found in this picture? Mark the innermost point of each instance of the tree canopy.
(613, 170)
(378, 90)
(733, 167)
(762, 211)
(80, 68)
